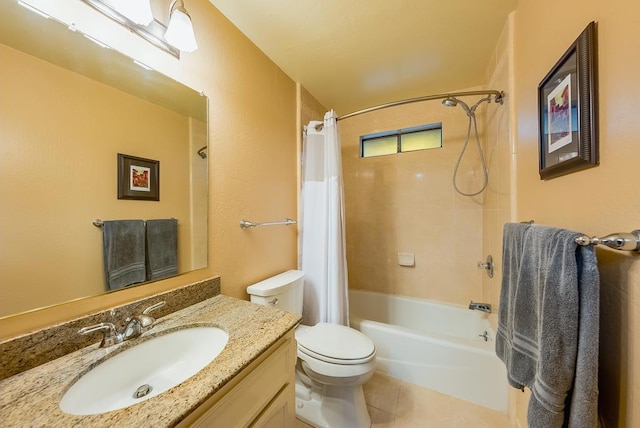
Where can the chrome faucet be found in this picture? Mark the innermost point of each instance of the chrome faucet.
(134, 328)
(141, 323)
(484, 307)
(110, 337)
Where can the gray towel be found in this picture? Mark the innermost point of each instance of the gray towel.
(123, 252)
(162, 248)
(548, 329)
(512, 253)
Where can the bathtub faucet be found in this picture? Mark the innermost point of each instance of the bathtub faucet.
(484, 307)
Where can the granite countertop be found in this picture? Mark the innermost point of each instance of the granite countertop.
(31, 398)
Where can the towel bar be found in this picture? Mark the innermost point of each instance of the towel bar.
(617, 241)
(99, 223)
(245, 224)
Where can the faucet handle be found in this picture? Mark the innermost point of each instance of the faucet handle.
(154, 307)
(146, 320)
(110, 337)
(488, 265)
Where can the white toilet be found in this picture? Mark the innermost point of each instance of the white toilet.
(333, 360)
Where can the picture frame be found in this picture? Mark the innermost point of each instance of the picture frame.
(568, 110)
(138, 178)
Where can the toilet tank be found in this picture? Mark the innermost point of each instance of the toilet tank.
(283, 291)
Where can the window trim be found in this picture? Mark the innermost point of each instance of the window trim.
(398, 134)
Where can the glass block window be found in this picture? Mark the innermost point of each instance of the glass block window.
(401, 140)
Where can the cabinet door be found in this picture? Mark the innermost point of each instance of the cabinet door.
(280, 413)
(245, 399)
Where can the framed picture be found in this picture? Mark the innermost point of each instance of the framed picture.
(138, 178)
(568, 110)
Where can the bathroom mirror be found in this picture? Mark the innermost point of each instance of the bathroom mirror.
(68, 107)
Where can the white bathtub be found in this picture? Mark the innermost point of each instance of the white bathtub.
(432, 344)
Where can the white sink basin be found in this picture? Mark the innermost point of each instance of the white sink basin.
(160, 363)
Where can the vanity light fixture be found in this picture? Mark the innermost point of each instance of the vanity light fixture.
(96, 41)
(138, 11)
(180, 31)
(154, 32)
(142, 64)
(33, 9)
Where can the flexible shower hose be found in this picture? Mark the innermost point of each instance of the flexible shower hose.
(472, 117)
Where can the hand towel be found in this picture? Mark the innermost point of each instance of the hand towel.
(162, 248)
(123, 252)
(512, 252)
(549, 339)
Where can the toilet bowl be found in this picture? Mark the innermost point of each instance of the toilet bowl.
(334, 361)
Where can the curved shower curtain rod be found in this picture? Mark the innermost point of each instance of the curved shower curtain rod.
(499, 98)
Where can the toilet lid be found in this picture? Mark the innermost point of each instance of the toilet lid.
(335, 343)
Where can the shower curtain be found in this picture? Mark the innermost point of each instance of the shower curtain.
(322, 249)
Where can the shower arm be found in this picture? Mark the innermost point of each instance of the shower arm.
(498, 98)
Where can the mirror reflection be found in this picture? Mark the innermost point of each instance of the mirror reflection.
(68, 108)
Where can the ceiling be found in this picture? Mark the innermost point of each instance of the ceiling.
(353, 54)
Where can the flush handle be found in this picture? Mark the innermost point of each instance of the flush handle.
(274, 301)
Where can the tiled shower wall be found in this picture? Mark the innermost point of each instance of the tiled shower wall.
(499, 202)
(406, 203)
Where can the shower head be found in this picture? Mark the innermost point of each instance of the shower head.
(450, 102)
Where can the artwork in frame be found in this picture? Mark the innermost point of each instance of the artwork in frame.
(138, 178)
(568, 110)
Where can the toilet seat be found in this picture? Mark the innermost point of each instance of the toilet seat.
(335, 344)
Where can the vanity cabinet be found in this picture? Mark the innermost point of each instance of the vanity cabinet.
(261, 395)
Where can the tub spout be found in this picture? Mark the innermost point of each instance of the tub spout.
(484, 307)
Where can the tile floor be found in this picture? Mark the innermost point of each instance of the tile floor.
(393, 403)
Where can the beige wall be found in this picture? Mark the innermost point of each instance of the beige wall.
(600, 200)
(500, 197)
(310, 108)
(406, 203)
(252, 157)
(61, 133)
(254, 162)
